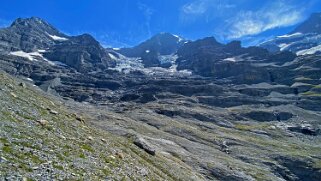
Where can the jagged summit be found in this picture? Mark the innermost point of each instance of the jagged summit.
(162, 43)
(28, 21)
(86, 39)
(35, 24)
(163, 36)
(29, 35)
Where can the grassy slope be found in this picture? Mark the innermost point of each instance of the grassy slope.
(65, 148)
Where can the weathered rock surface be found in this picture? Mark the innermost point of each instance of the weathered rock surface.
(142, 143)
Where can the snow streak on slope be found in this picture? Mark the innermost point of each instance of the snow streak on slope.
(310, 51)
(290, 36)
(57, 38)
(29, 56)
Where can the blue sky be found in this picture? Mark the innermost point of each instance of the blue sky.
(121, 23)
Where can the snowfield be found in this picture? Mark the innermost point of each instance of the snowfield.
(36, 56)
(127, 65)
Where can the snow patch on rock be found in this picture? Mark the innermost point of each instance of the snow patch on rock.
(231, 59)
(30, 56)
(290, 35)
(112, 56)
(310, 51)
(36, 56)
(58, 38)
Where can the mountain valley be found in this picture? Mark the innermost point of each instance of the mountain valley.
(166, 109)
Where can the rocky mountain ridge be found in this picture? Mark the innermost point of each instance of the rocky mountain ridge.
(220, 111)
(304, 40)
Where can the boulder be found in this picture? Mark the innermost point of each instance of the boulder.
(43, 122)
(143, 144)
(306, 129)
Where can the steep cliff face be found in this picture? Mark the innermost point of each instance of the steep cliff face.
(82, 52)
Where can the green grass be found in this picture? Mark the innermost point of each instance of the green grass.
(244, 127)
(58, 167)
(302, 78)
(7, 149)
(311, 94)
(317, 164)
(4, 141)
(25, 167)
(82, 155)
(87, 148)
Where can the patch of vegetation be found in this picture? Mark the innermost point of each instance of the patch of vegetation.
(82, 155)
(311, 94)
(8, 116)
(66, 153)
(7, 149)
(60, 157)
(244, 127)
(317, 164)
(303, 78)
(4, 141)
(25, 167)
(27, 156)
(106, 171)
(28, 145)
(87, 148)
(58, 167)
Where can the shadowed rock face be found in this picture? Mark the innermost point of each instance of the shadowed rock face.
(269, 116)
(82, 52)
(210, 58)
(148, 51)
(297, 169)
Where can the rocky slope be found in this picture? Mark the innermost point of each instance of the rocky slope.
(40, 139)
(214, 112)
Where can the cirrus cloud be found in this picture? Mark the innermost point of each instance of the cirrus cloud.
(199, 7)
(274, 15)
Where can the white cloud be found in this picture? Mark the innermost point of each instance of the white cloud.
(274, 15)
(200, 7)
(148, 12)
(205, 10)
